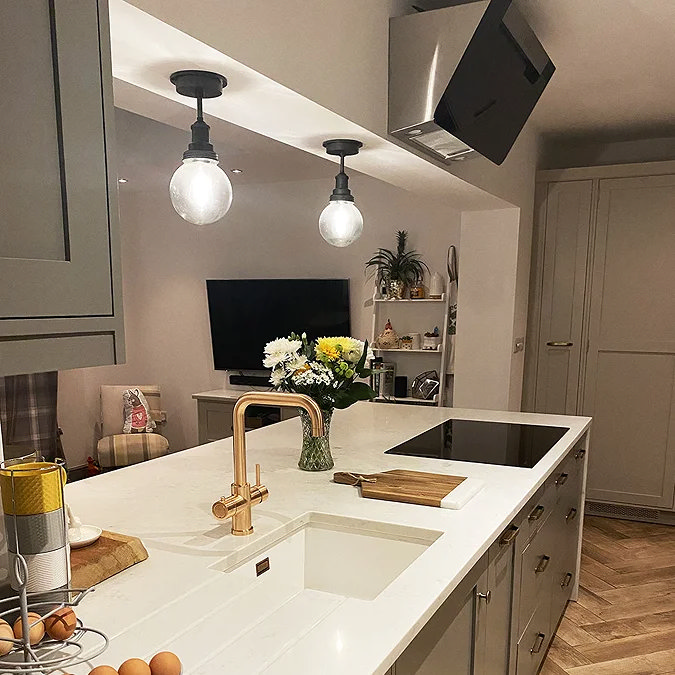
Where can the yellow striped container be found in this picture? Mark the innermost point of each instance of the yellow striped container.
(31, 488)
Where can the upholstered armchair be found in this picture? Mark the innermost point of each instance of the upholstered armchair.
(117, 449)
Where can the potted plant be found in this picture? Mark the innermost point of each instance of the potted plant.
(397, 269)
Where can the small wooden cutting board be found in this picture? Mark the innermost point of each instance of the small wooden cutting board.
(110, 554)
(410, 487)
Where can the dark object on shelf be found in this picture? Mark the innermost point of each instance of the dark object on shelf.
(400, 386)
(251, 380)
(426, 385)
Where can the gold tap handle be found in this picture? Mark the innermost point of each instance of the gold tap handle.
(257, 474)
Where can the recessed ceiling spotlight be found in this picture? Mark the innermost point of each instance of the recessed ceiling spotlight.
(122, 180)
(237, 170)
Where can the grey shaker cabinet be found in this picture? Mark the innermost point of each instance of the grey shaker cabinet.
(501, 618)
(60, 304)
(602, 336)
(453, 639)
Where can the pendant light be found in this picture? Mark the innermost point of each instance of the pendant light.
(200, 191)
(341, 223)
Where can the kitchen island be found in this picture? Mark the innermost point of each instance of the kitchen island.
(196, 595)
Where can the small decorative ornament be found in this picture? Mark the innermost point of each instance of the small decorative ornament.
(395, 289)
(388, 338)
(417, 292)
(432, 340)
(406, 342)
(436, 286)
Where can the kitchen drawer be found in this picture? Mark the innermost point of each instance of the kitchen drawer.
(534, 641)
(565, 524)
(538, 509)
(537, 562)
(566, 479)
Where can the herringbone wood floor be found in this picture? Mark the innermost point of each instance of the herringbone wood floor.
(624, 622)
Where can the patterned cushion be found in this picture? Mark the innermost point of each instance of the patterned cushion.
(126, 449)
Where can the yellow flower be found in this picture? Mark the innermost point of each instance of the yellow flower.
(330, 348)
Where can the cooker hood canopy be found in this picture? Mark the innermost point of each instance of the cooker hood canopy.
(464, 78)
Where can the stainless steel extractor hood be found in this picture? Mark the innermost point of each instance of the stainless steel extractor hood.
(464, 78)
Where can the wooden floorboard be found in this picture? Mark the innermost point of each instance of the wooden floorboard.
(624, 621)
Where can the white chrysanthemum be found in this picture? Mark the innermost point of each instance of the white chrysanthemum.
(296, 363)
(354, 352)
(279, 350)
(277, 377)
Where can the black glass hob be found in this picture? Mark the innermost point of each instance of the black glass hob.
(520, 445)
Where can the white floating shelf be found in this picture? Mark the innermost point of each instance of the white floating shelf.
(410, 351)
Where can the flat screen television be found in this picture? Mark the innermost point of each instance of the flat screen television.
(245, 314)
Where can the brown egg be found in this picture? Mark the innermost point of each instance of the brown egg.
(61, 624)
(5, 632)
(165, 663)
(134, 667)
(103, 670)
(37, 631)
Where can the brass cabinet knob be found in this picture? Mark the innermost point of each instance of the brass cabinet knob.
(487, 596)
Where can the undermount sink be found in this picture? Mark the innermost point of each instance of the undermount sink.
(344, 557)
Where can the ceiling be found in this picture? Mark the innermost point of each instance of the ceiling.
(614, 62)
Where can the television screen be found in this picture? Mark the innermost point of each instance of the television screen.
(245, 314)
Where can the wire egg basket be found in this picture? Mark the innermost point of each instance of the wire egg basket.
(35, 519)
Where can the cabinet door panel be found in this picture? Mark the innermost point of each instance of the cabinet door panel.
(449, 642)
(31, 173)
(630, 378)
(445, 646)
(499, 609)
(57, 242)
(565, 249)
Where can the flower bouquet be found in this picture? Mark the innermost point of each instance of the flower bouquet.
(327, 370)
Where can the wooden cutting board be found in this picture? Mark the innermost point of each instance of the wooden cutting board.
(109, 554)
(400, 485)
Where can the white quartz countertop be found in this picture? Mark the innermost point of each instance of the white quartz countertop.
(175, 599)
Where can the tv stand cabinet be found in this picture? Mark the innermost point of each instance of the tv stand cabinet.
(214, 414)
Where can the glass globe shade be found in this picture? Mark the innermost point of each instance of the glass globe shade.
(200, 191)
(340, 223)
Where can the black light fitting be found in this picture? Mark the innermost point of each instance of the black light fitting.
(199, 84)
(342, 147)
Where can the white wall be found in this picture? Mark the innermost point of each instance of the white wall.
(485, 301)
(271, 231)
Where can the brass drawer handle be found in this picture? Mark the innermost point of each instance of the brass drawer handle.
(562, 479)
(536, 513)
(508, 537)
(579, 453)
(538, 643)
(556, 343)
(486, 596)
(567, 579)
(543, 564)
(571, 515)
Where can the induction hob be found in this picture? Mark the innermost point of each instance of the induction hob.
(521, 445)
